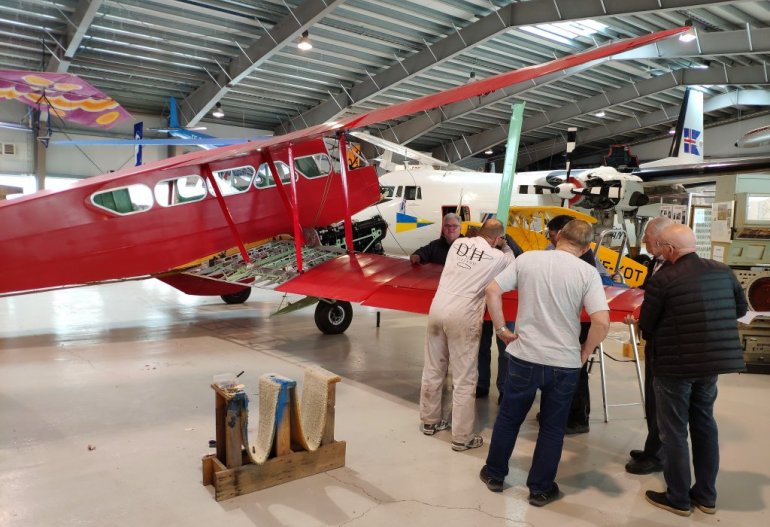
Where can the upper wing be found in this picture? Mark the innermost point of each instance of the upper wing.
(394, 283)
(428, 102)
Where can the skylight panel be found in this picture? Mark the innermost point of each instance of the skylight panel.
(566, 32)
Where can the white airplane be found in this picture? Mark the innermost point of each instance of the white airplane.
(757, 137)
(415, 198)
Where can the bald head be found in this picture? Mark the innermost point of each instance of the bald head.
(679, 238)
(491, 229)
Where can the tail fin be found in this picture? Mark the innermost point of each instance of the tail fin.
(687, 145)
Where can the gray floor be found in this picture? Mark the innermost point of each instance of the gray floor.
(126, 369)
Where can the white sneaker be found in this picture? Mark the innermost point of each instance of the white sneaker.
(429, 430)
(474, 442)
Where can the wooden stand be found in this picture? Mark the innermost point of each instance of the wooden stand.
(232, 471)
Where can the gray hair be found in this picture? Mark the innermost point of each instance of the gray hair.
(450, 216)
(657, 224)
(577, 232)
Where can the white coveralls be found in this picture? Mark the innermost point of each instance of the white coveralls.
(454, 328)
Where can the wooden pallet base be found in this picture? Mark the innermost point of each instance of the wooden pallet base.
(231, 482)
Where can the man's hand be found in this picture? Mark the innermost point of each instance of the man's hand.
(415, 258)
(630, 320)
(507, 336)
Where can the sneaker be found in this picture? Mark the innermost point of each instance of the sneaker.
(495, 485)
(473, 442)
(573, 429)
(539, 499)
(703, 507)
(643, 466)
(637, 455)
(659, 499)
(429, 430)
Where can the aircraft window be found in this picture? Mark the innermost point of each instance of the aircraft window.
(125, 200)
(185, 189)
(412, 192)
(399, 191)
(387, 192)
(317, 165)
(233, 180)
(264, 178)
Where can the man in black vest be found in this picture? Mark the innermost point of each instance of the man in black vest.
(650, 459)
(689, 314)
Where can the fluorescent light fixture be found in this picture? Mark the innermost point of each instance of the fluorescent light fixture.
(600, 114)
(489, 151)
(700, 66)
(218, 111)
(687, 37)
(304, 42)
(672, 131)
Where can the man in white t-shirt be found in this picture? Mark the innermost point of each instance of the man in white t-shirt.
(454, 327)
(554, 287)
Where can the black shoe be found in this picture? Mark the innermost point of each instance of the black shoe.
(643, 466)
(573, 429)
(637, 455)
(482, 393)
(544, 498)
(495, 485)
(702, 506)
(659, 499)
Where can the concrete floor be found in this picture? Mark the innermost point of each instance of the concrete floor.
(127, 368)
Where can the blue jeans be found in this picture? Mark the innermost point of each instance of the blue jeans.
(682, 401)
(485, 356)
(557, 386)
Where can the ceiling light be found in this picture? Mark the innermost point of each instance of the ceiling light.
(218, 112)
(600, 114)
(489, 152)
(304, 42)
(672, 131)
(687, 37)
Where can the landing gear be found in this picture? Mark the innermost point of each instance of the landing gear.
(333, 318)
(237, 298)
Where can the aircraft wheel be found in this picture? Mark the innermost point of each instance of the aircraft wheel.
(333, 318)
(237, 298)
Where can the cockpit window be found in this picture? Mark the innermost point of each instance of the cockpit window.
(412, 193)
(317, 165)
(387, 192)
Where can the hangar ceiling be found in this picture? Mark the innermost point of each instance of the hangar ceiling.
(368, 53)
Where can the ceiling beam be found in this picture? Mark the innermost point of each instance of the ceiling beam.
(740, 75)
(483, 29)
(77, 26)
(708, 43)
(284, 32)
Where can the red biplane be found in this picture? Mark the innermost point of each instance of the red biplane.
(175, 219)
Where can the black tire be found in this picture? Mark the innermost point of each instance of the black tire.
(333, 318)
(237, 298)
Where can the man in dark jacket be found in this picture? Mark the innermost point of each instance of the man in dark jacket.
(689, 314)
(437, 250)
(650, 459)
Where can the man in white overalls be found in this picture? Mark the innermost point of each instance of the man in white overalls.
(454, 327)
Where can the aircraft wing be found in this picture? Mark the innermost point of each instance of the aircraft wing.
(64, 95)
(394, 283)
(428, 102)
(716, 167)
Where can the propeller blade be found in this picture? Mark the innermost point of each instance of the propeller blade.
(603, 191)
(537, 189)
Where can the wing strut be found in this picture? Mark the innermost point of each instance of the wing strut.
(208, 174)
(344, 177)
(289, 201)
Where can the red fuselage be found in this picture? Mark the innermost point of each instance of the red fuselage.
(52, 239)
